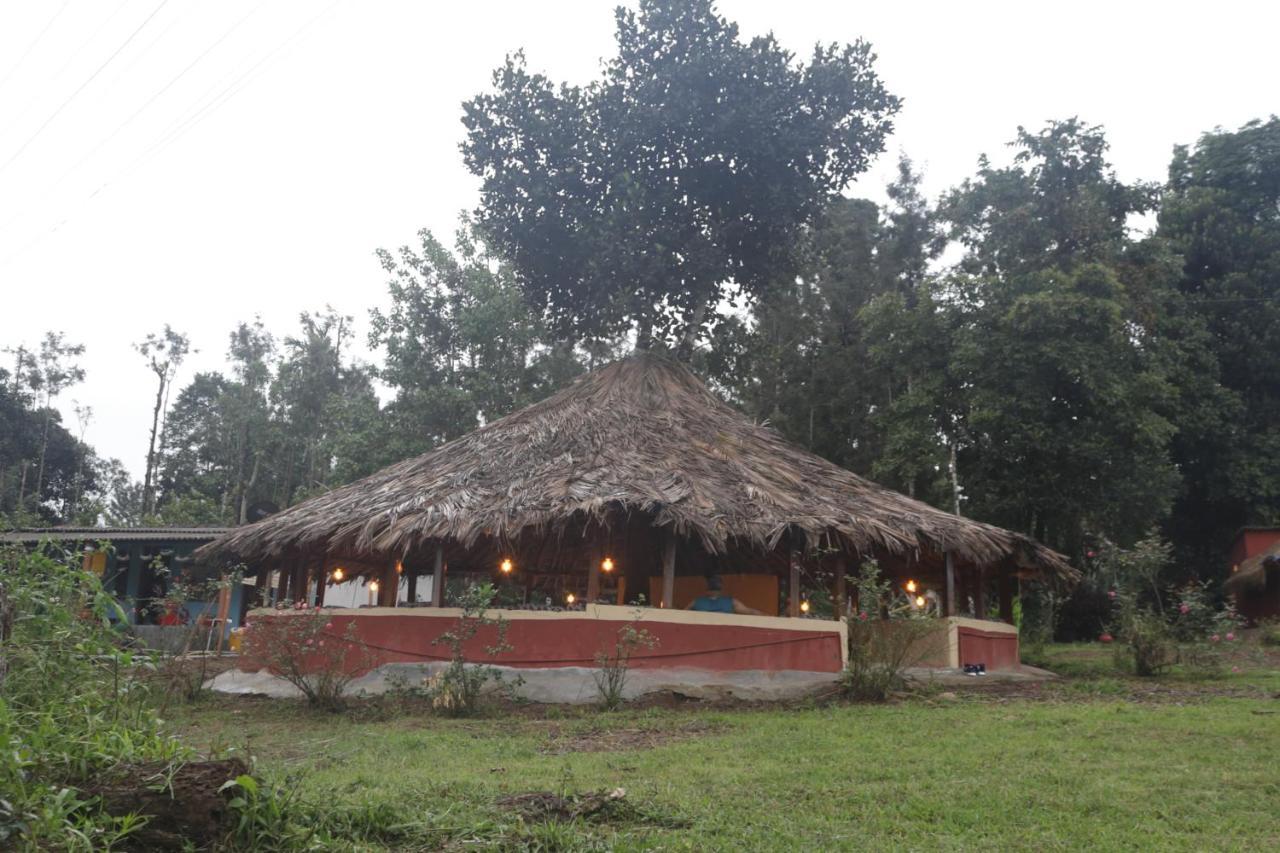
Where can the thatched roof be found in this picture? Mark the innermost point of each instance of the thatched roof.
(640, 435)
(1252, 573)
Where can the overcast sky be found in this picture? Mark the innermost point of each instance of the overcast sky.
(197, 163)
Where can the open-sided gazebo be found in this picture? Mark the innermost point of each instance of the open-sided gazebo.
(636, 480)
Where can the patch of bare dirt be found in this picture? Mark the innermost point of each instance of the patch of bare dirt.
(184, 803)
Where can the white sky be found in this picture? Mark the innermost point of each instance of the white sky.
(247, 156)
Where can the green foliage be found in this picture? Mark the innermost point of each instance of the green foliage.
(1162, 627)
(461, 346)
(695, 160)
(72, 704)
(886, 638)
(1221, 215)
(302, 646)
(457, 689)
(613, 666)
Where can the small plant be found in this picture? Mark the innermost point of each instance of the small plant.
(301, 645)
(456, 690)
(885, 639)
(615, 665)
(1269, 632)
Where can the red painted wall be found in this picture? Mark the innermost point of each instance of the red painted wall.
(996, 650)
(1250, 542)
(575, 640)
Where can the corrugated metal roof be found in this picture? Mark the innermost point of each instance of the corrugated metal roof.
(32, 535)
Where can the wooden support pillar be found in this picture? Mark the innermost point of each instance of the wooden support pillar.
(793, 585)
(437, 579)
(669, 569)
(842, 593)
(980, 594)
(1007, 581)
(264, 585)
(951, 583)
(298, 583)
(412, 593)
(322, 581)
(388, 585)
(593, 575)
(282, 587)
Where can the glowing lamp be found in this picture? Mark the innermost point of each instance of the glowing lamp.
(919, 601)
(570, 598)
(339, 574)
(506, 566)
(911, 586)
(399, 567)
(606, 565)
(373, 586)
(804, 607)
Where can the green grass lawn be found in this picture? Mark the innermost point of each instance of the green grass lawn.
(1096, 760)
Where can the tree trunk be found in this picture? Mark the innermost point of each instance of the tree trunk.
(244, 495)
(44, 447)
(690, 337)
(955, 479)
(148, 478)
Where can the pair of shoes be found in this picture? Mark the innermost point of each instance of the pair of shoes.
(975, 669)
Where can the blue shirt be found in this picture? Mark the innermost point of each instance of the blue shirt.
(714, 603)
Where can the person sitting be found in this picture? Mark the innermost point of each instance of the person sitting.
(715, 601)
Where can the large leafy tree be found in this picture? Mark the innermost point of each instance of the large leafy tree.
(687, 172)
(1221, 211)
(461, 346)
(1067, 386)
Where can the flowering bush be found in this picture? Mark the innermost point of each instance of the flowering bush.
(885, 638)
(301, 645)
(1164, 627)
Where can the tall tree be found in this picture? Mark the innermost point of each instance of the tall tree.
(686, 172)
(461, 346)
(1068, 396)
(1221, 212)
(164, 354)
(56, 371)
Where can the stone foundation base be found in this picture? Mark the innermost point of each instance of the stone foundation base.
(563, 685)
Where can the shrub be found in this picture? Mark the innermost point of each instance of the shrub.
(1158, 627)
(71, 704)
(886, 638)
(456, 690)
(1269, 632)
(614, 666)
(300, 645)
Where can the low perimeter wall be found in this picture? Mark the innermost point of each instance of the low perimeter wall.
(967, 641)
(713, 642)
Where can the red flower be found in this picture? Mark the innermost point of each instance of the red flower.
(1106, 638)
(1184, 609)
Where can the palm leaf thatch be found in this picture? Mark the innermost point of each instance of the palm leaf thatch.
(1252, 574)
(641, 435)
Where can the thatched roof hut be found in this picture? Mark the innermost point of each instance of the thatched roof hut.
(640, 439)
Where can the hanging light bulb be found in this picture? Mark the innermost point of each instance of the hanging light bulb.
(506, 565)
(339, 574)
(911, 586)
(399, 567)
(570, 598)
(804, 607)
(919, 601)
(373, 586)
(606, 565)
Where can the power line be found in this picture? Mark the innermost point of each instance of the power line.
(82, 87)
(142, 108)
(33, 44)
(180, 127)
